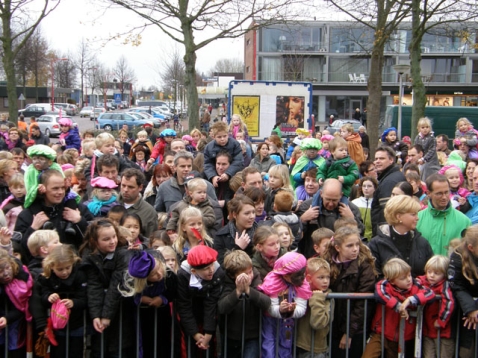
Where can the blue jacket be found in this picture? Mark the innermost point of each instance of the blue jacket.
(211, 151)
(73, 140)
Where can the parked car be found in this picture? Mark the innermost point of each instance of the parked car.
(114, 121)
(166, 112)
(146, 116)
(153, 112)
(68, 108)
(48, 124)
(96, 112)
(338, 123)
(37, 110)
(86, 111)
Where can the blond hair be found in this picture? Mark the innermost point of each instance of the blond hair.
(236, 261)
(16, 180)
(88, 144)
(103, 138)
(63, 254)
(394, 268)
(168, 250)
(133, 285)
(424, 122)
(321, 234)
(438, 263)
(218, 127)
(314, 264)
(39, 239)
(262, 234)
(180, 242)
(400, 204)
(463, 119)
(282, 171)
(196, 184)
(337, 142)
(277, 225)
(162, 218)
(242, 125)
(348, 127)
(469, 269)
(142, 133)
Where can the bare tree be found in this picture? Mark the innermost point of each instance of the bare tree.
(123, 73)
(185, 22)
(172, 74)
(66, 72)
(228, 65)
(83, 60)
(11, 13)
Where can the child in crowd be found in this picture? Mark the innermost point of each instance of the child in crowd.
(301, 134)
(282, 213)
(13, 204)
(463, 277)
(311, 159)
(148, 281)
(325, 139)
(15, 290)
(278, 180)
(196, 137)
(427, 140)
(318, 315)
(133, 223)
(105, 260)
(286, 237)
(242, 303)
(116, 213)
(389, 139)
(125, 235)
(164, 141)
(309, 188)
(458, 193)
(321, 238)
(289, 292)
(170, 257)
(143, 141)
(464, 128)
(69, 136)
(267, 249)
(237, 125)
(191, 233)
(187, 140)
(339, 166)
(40, 243)
(241, 136)
(397, 292)
(367, 187)
(64, 283)
(351, 270)
(88, 148)
(140, 156)
(196, 196)
(258, 196)
(222, 142)
(353, 140)
(275, 154)
(413, 178)
(103, 196)
(159, 238)
(200, 282)
(437, 315)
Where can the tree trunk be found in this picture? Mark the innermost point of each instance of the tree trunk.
(419, 91)
(190, 80)
(9, 68)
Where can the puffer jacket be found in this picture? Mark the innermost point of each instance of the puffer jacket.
(383, 249)
(73, 140)
(345, 167)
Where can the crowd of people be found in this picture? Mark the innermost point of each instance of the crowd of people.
(245, 240)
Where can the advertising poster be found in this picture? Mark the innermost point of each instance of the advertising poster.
(290, 113)
(248, 108)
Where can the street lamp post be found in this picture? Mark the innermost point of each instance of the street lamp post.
(52, 62)
(401, 69)
(86, 92)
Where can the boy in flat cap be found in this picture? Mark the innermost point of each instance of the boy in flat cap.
(200, 281)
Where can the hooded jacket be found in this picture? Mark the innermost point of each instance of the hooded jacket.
(72, 139)
(383, 249)
(354, 146)
(439, 227)
(345, 167)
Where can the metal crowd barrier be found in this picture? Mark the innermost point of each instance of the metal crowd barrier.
(189, 341)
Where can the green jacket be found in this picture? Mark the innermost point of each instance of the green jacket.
(345, 167)
(440, 227)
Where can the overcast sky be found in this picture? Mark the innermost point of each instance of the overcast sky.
(74, 19)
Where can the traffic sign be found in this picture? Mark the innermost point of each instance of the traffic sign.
(22, 97)
(117, 97)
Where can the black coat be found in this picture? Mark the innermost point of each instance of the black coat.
(383, 249)
(224, 241)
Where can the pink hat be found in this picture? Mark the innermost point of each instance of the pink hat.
(67, 166)
(103, 183)
(327, 137)
(65, 122)
(187, 137)
(407, 139)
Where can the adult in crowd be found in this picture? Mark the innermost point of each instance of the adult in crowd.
(471, 164)
(172, 190)
(399, 237)
(275, 139)
(8, 168)
(238, 233)
(415, 156)
(48, 211)
(309, 188)
(442, 144)
(365, 139)
(470, 207)
(323, 210)
(389, 175)
(367, 169)
(15, 139)
(250, 177)
(262, 161)
(177, 145)
(161, 173)
(123, 138)
(131, 187)
(366, 188)
(37, 136)
(224, 193)
(440, 223)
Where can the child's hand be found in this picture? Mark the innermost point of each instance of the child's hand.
(68, 303)
(203, 343)
(343, 342)
(340, 178)
(3, 322)
(53, 297)
(156, 302)
(5, 236)
(471, 320)
(243, 240)
(41, 189)
(97, 325)
(436, 324)
(461, 200)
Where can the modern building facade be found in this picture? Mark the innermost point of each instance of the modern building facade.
(335, 57)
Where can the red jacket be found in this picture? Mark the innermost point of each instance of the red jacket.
(158, 150)
(440, 311)
(390, 296)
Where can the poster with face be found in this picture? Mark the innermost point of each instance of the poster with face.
(290, 113)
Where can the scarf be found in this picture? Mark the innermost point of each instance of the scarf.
(19, 292)
(142, 165)
(95, 205)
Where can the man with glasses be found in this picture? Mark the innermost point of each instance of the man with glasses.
(440, 223)
(325, 207)
(389, 175)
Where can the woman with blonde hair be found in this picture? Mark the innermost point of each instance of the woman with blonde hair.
(8, 168)
(398, 237)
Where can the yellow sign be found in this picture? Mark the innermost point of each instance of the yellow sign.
(248, 108)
